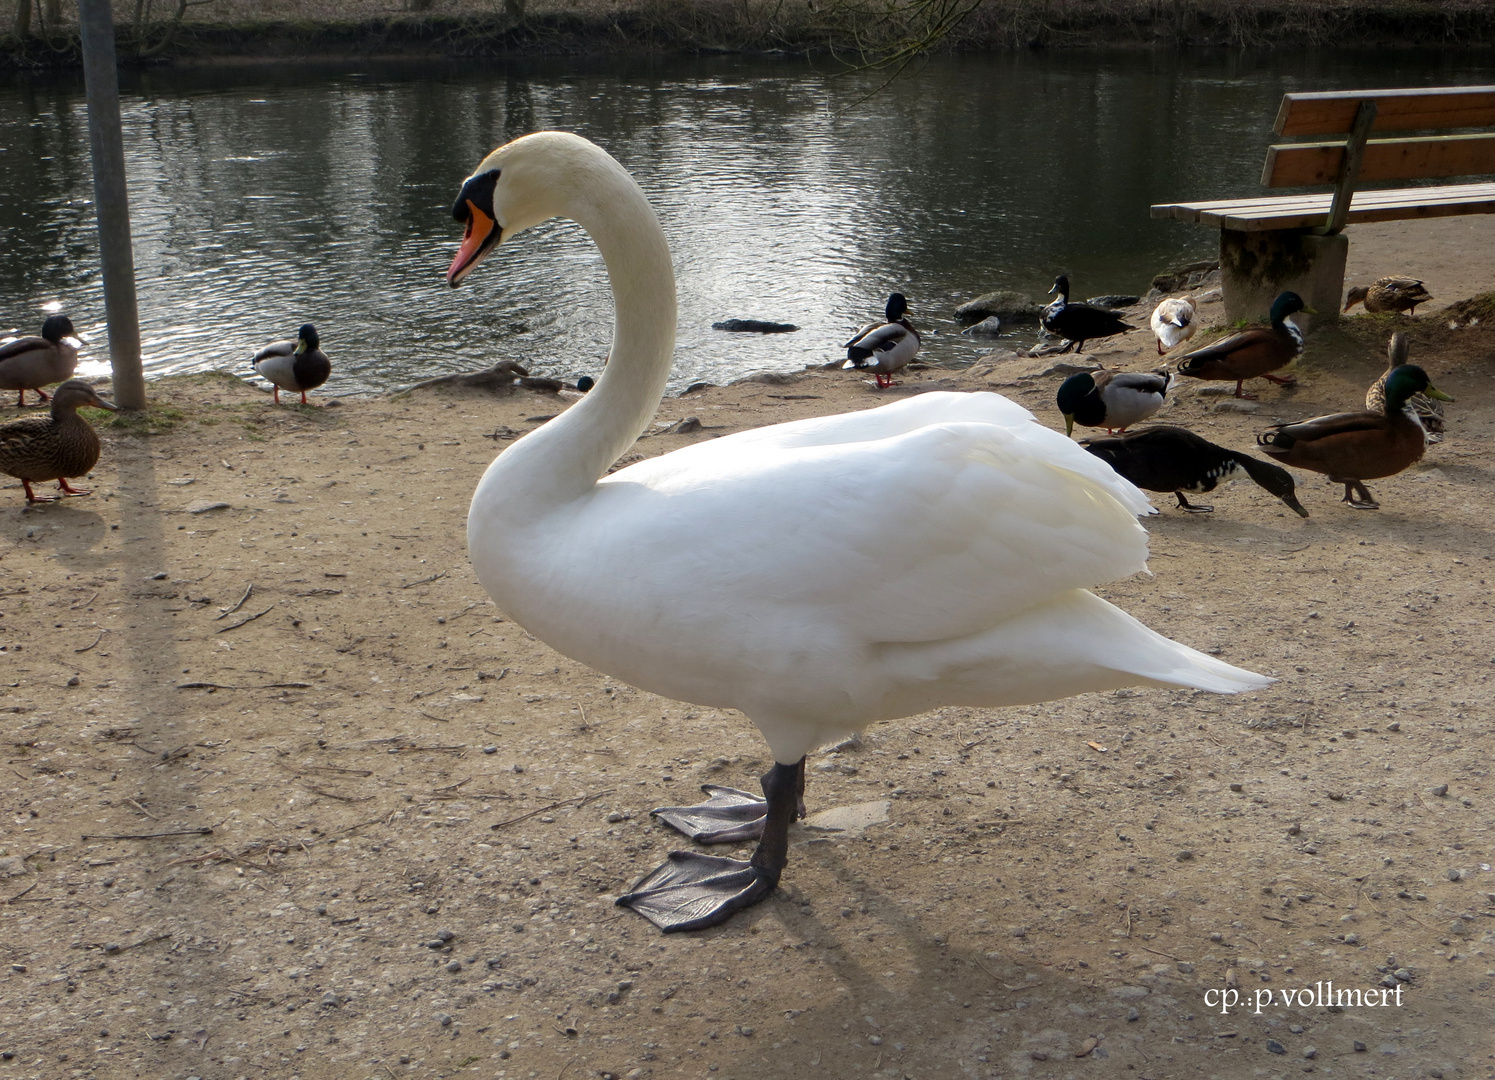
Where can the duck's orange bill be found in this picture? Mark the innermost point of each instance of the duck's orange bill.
(479, 227)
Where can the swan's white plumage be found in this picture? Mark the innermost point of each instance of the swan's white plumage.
(817, 575)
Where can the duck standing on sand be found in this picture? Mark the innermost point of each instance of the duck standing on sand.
(61, 444)
(1351, 447)
(1174, 321)
(1429, 413)
(1389, 294)
(30, 363)
(1078, 322)
(943, 546)
(885, 348)
(294, 365)
(1254, 352)
(1114, 400)
(1166, 458)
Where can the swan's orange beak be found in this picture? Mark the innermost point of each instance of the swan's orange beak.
(482, 233)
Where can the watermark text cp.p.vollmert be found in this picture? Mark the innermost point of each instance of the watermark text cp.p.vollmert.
(1319, 995)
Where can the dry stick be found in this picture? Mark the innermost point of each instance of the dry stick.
(237, 606)
(75, 606)
(225, 686)
(23, 892)
(1156, 952)
(580, 802)
(332, 795)
(91, 644)
(142, 809)
(424, 580)
(205, 830)
(147, 941)
(242, 622)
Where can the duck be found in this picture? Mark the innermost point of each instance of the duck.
(1174, 322)
(57, 446)
(1389, 294)
(1114, 400)
(294, 365)
(30, 363)
(1429, 413)
(1258, 351)
(1353, 447)
(885, 348)
(1167, 458)
(817, 575)
(1079, 322)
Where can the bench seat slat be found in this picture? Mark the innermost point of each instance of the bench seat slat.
(1332, 112)
(1309, 211)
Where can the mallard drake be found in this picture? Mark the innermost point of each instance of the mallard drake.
(1114, 400)
(1389, 294)
(1429, 413)
(942, 545)
(294, 365)
(1165, 458)
(53, 447)
(1174, 321)
(1254, 352)
(885, 348)
(1351, 447)
(1079, 322)
(30, 363)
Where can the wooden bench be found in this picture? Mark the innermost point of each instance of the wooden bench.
(1297, 241)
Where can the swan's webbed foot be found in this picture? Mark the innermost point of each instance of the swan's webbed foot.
(692, 891)
(1192, 508)
(727, 816)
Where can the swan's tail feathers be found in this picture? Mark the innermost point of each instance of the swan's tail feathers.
(1074, 644)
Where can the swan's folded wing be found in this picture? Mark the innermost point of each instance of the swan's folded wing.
(935, 533)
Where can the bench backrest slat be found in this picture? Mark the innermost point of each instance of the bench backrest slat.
(1301, 164)
(1332, 113)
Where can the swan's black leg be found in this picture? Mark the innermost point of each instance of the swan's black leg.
(1193, 508)
(693, 891)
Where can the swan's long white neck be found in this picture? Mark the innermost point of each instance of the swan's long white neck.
(563, 460)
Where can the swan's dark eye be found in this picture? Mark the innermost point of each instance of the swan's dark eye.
(477, 190)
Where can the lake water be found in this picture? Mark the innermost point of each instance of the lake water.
(264, 197)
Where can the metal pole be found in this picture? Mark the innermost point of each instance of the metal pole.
(112, 201)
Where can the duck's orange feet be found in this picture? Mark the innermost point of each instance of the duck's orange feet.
(69, 492)
(33, 497)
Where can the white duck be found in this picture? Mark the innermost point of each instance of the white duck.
(817, 575)
(1174, 321)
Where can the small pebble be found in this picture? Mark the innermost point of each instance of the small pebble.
(1440, 789)
(112, 948)
(1453, 875)
(445, 935)
(1275, 1047)
(614, 997)
(1237, 787)
(1310, 1052)
(444, 1019)
(1359, 1047)
(74, 681)
(625, 985)
(1403, 974)
(321, 909)
(1132, 1015)
(614, 817)
(19, 969)
(331, 998)
(1352, 939)
(875, 1040)
(1184, 856)
(490, 749)
(1294, 829)
(455, 966)
(1395, 725)
(1296, 1029)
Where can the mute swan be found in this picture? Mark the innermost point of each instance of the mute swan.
(30, 363)
(816, 575)
(1114, 400)
(294, 365)
(1079, 322)
(885, 348)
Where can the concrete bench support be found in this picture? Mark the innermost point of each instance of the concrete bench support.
(1256, 266)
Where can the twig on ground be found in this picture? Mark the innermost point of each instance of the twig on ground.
(577, 802)
(142, 809)
(244, 622)
(92, 643)
(424, 580)
(204, 830)
(229, 611)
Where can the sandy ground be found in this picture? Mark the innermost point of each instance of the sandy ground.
(285, 795)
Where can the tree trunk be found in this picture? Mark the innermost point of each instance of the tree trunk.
(23, 18)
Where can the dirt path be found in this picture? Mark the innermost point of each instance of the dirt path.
(419, 815)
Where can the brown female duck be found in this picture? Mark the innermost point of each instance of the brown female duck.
(1352, 447)
(30, 363)
(1254, 352)
(1389, 294)
(1429, 413)
(53, 447)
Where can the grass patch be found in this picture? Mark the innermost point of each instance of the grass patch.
(152, 420)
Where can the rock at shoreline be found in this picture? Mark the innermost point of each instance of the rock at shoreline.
(1113, 300)
(754, 326)
(990, 326)
(1007, 306)
(1191, 276)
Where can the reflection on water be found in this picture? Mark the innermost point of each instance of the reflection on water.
(264, 198)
